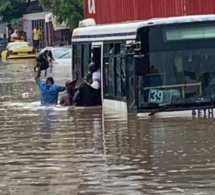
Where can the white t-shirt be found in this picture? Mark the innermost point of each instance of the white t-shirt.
(96, 76)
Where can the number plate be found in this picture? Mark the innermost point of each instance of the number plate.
(159, 96)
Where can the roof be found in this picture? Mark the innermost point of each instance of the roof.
(178, 20)
(128, 30)
(123, 31)
(35, 16)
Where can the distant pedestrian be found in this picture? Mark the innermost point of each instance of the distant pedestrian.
(14, 36)
(36, 38)
(24, 36)
(10, 31)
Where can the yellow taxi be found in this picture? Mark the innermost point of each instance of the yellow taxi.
(18, 49)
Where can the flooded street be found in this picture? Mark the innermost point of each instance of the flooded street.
(51, 151)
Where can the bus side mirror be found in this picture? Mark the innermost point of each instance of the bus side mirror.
(142, 65)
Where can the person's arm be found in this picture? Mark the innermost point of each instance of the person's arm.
(94, 85)
(76, 96)
(60, 88)
(37, 76)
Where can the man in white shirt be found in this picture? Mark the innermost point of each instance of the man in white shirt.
(96, 76)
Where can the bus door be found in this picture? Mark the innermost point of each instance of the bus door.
(97, 58)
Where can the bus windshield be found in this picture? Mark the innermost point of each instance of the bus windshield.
(177, 66)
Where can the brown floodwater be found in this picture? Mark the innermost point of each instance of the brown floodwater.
(55, 150)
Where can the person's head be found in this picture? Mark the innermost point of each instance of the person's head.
(36, 27)
(70, 86)
(89, 78)
(50, 81)
(92, 67)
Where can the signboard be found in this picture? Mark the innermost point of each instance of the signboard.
(159, 96)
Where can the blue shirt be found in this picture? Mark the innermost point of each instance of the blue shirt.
(49, 93)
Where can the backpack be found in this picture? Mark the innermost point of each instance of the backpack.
(42, 62)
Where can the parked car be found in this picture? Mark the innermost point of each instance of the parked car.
(58, 54)
(18, 49)
(60, 59)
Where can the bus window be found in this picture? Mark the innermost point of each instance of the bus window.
(106, 49)
(117, 49)
(77, 61)
(86, 52)
(114, 70)
(118, 78)
(105, 81)
(123, 77)
(111, 78)
(130, 84)
(122, 48)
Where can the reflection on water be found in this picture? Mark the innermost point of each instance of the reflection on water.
(74, 151)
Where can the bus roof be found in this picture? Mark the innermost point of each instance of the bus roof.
(117, 31)
(178, 20)
(128, 30)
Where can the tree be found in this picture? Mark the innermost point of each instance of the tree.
(10, 9)
(68, 11)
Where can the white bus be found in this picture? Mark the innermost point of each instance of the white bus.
(159, 66)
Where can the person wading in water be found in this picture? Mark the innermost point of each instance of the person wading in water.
(49, 91)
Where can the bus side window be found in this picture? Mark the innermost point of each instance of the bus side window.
(114, 70)
(86, 52)
(77, 62)
(106, 83)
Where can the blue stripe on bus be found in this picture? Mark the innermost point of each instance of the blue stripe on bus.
(104, 35)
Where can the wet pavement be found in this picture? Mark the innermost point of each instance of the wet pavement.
(55, 150)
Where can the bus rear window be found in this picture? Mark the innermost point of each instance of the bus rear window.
(189, 33)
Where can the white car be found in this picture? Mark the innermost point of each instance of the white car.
(61, 61)
(58, 54)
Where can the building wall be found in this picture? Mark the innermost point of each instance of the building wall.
(28, 29)
(111, 11)
(32, 20)
(50, 38)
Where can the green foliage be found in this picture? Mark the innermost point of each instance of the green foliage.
(69, 11)
(10, 9)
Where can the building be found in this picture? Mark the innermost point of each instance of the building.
(52, 33)
(112, 11)
(57, 34)
(32, 20)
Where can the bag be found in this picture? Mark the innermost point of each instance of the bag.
(43, 61)
(44, 65)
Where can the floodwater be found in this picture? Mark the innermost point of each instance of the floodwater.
(60, 151)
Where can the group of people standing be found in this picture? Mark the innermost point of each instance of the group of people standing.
(16, 35)
(87, 93)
